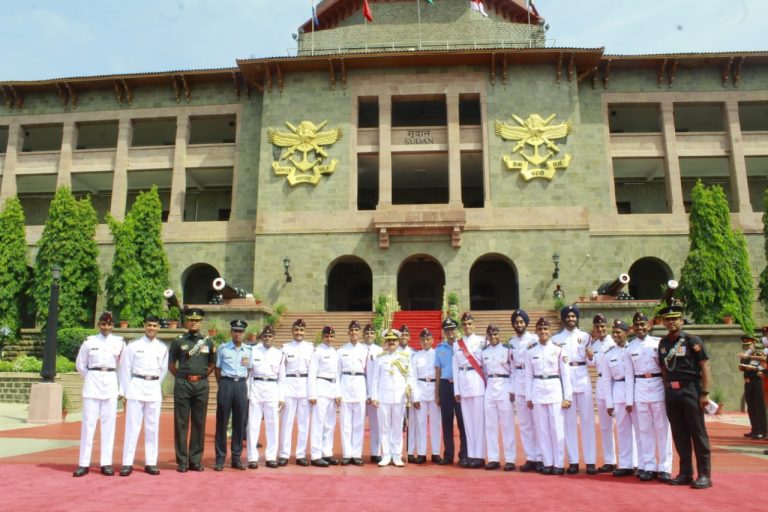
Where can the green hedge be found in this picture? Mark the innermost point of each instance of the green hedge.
(29, 364)
(68, 341)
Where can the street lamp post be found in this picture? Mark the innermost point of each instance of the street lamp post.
(49, 354)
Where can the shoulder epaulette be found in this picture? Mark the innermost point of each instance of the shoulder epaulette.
(507, 345)
(532, 344)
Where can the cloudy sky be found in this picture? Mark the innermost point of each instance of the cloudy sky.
(62, 38)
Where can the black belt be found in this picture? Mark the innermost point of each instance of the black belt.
(329, 379)
(578, 363)
(647, 375)
(466, 369)
(521, 367)
(429, 380)
(145, 377)
(546, 376)
(599, 374)
(498, 376)
(265, 379)
(354, 374)
(296, 376)
(233, 379)
(619, 380)
(101, 369)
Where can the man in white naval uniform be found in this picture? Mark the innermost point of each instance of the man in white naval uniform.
(265, 398)
(520, 343)
(324, 396)
(353, 359)
(404, 347)
(499, 412)
(601, 342)
(549, 392)
(655, 432)
(469, 389)
(393, 381)
(141, 372)
(428, 412)
(298, 353)
(617, 373)
(97, 363)
(575, 342)
(374, 439)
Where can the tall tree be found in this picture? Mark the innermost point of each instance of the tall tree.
(68, 241)
(763, 285)
(140, 266)
(13, 263)
(716, 279)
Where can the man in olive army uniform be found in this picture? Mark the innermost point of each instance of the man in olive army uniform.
(191, 359)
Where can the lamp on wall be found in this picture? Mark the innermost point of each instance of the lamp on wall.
(556, 261)
(287, 264)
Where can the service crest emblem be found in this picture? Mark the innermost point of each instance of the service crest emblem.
(302, 141)
(535, 132)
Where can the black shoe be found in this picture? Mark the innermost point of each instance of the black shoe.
(477, 463)
(182, 468)
(238, 465)
(681, 480)
(509, 466)
(539, 466)
(272, 464)
(81, 471)
(748, 434)
(411, 459)
(331, 461)
(645, 476)
(606, 468)
(301, 461)
(436, 459)
(196, 467)
(591, 469)
(421, 459)
(282, 461)
(463, 463)
(703, 482)
(558, 471)
(664, 477)
(320, 463)
(375, 459)
(357, 461)
(623, 472)
(219, 466)
(492, 465)
(107, 471)
(547, 470)
(151, 470)
(345, 461)
(126, 470)
(528, 466)
(449, 462)
(253, 465)
(573, 469)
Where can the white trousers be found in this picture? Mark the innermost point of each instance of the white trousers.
(268, 411)
(412, 429)
(582, 406)
(625, 432)
(391, 429)
(550, 431)
(655, 437)
(500, 417)
(606, 432)
(472, 413)
(136, 412)
(323, 428)
(428, 414)
(373, 429)
(352, 429)
(294, 409)
(527, 427)
(104, 411)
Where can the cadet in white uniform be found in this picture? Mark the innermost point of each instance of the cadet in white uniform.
(575, 341)
(393, 381)
(499, 413)
(469, 389)
(265, 398)
(298, 354)
(353, 359)
(324, 396)
(369, 336)
(141, 372)
(97, 363)
(520, 343)
(549, 392)
(405, 348)
(601, 342)
(428, 412)
(655, 432)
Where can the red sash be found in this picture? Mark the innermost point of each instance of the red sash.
(471, 359)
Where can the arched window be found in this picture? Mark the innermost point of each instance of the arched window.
(349, 285)
(646, 276)
(493, 283)
(420, 283)
(197, 283)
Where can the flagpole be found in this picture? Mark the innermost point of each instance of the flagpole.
(530, 39)
(418, 12)
(314, 14)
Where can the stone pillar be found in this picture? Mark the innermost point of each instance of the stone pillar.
(454, 150)
(674, 183)
(8, 188)
(385, 151)
(485, 123)
(740, 200)
(120, 174)
(68, 142)
(179, 179)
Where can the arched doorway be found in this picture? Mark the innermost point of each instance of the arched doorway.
(349, 285)
(420, 284)
(493, 284)
(646, 276)
(197, 282)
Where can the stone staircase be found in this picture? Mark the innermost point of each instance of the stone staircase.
(418, 320)
(339, 320)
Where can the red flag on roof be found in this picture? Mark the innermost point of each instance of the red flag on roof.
(367, 11)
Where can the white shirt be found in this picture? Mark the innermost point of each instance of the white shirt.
(324, 373)
(389, 383)
(353, 359)
(423, 363)
(546, 361)
(373, 352)
(99, 351)
(643, 355)
(575, 343)
(466, 381)
(520, 346)
(405, 350)
(617, 375)
(297, 354)
(266, 363)
(497, 360)
(599, 347)
(147, 358)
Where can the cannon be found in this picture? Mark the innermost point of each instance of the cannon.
(171, 300)
(226, 291)
(613, 288)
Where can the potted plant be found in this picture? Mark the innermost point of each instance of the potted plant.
(174, 314)
(216, 324)
(252, 333)
(123, 324)
(727, 313)
(717, 397)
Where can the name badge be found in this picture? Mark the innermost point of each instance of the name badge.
(205, 349)
(681, 350)
(185, 347)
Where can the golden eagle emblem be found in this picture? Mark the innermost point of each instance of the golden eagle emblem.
(536, 132)
(305, 138)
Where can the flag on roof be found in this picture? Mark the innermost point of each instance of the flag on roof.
(367, 11)
(315, 19)
(532, 8)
